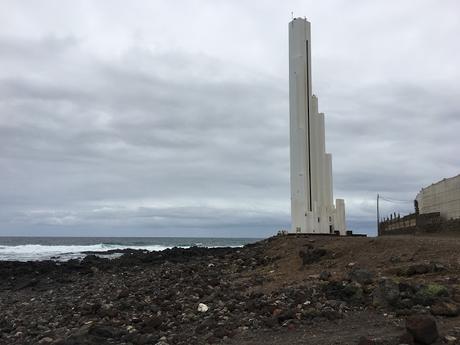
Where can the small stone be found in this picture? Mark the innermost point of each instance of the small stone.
(270, 322)
(395, 259)
(123, 293)
(152, 324)
(202, 308)
(277, 312)
(104, 331)
(450, 339)
(324, 275)
(220, 332)
(439, 267)
(366, 341)
(46, 340)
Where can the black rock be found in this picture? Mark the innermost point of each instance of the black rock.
(423, 328)
(361, 276)
(104, 331)
(406, 338)
(312, 255)
(152, 324)
(25, 283)
(386, 293)
(324, 275)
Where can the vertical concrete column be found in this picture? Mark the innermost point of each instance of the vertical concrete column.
(328, 180)
(340, 216)
(300, 124)
(320, 167)
(314, 152)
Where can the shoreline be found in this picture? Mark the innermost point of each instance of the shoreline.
(62, 249)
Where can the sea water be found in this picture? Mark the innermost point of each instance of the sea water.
(65, 248)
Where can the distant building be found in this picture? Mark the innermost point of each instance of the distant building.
(442, 197)
(312, 205)
(437, 209)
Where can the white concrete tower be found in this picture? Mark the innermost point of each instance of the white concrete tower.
(312, 208)
(300, 108)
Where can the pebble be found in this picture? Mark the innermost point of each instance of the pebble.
(450, 339)
(202, 308)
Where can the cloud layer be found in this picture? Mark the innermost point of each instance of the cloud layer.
(161, 119)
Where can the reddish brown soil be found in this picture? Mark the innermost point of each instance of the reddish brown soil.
(385, 256)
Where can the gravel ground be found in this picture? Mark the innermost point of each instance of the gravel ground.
(283, 290)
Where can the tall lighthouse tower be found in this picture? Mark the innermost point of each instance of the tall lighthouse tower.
(312, 205)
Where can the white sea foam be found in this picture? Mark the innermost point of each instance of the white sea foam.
(34, 252)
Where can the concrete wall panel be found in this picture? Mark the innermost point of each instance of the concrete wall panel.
(443, 197)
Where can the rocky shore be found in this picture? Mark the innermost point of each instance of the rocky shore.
(283, 290)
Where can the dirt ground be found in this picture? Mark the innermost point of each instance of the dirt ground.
(386, 256)
(383, 255)
(283, 290)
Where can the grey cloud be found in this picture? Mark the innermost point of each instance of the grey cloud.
(92, 126)
(30, 49)
(135, 135)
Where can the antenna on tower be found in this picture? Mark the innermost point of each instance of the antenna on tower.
(292, 15)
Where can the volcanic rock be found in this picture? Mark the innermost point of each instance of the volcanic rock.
(423, 328)
(361, 276)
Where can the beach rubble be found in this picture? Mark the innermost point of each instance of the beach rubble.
(264, 293)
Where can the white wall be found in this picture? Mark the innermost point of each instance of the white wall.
(443, 197)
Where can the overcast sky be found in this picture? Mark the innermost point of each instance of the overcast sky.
(170, 118)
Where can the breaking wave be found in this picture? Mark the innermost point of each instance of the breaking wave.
(33, 252)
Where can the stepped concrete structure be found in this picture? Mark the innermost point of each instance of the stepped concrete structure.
(312, 205)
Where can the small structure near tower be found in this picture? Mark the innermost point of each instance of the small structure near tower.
(312, 205)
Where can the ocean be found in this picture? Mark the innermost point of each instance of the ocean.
(65, 248)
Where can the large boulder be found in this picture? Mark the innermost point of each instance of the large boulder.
(423, 328)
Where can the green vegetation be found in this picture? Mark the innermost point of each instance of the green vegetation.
(436, 290)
